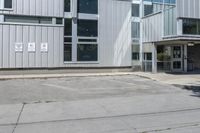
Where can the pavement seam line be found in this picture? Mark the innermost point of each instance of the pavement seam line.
(19, 116)
(105, 117)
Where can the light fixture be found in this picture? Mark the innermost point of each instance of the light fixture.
(190, 44)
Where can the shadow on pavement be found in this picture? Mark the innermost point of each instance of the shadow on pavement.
(194, 89)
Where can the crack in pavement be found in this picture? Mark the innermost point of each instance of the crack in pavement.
(17, 122)
(172, 128)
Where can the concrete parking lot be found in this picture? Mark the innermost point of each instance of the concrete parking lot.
(97, 104)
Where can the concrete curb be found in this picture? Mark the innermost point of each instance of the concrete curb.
(43, 76)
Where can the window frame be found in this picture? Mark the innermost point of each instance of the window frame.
(2, 7)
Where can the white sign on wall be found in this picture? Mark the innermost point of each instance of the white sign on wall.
(44, 47)
(18, 47)
(31, 47)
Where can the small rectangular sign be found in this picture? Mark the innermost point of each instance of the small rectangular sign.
(18, 47)
(31, 47)
(44, 47)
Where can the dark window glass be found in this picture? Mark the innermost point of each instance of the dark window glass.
(68, 27)
(7, 3)
(135, 10)
(67, 6)
(190, 26)
(59, 21)
(88, 6)
(27, 19)
(67, 39)
(135, 30)
(67, 52)
(135, 56)
(147, 56)
(148, 9)
(88, 28)
(87, 52)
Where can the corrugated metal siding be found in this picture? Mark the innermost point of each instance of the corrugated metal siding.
(115, 33)
(11, 34)
(188, 8)
(114, 36)
(152, 28)
(37, 8)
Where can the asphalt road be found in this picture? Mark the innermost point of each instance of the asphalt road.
(102, 104)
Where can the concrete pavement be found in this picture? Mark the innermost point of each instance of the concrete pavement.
(160, 113)
(105, 104)
(173, 79)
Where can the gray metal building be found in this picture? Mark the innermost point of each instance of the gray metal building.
(148, 35)
(171, 34)
(58, 33)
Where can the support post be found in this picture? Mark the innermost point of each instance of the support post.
(154, 58)
(185, 58)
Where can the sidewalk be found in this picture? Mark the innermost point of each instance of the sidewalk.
(173, 79)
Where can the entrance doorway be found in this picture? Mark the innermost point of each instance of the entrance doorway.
(177, 59)
(194, 58)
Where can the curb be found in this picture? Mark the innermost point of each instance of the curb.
(45, 76)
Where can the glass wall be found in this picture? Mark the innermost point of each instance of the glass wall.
(154, 6)
(83, 45)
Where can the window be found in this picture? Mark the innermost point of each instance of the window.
(67, 5)
(88, 28)
(135, 10)
(147, 56)
(68, 27)
(191, 26)
(87, 52)
(135, 56)
(68, 40)
(27, 19)
(135, 52)
(88, 6)
(59, 21)
(68, 52)
(7, 3)
(135, 30)
(148, 9)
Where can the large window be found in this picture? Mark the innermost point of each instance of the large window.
(88, 28)
(88, 6)
(68, 40)
(191, 26)
(67, 5)
(7, 3)
(135, 10)
(87, 52)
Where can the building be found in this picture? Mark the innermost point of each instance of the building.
(64, 33)
(169, 38)
(148, 35)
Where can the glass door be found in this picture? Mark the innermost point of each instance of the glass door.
(177, 56)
